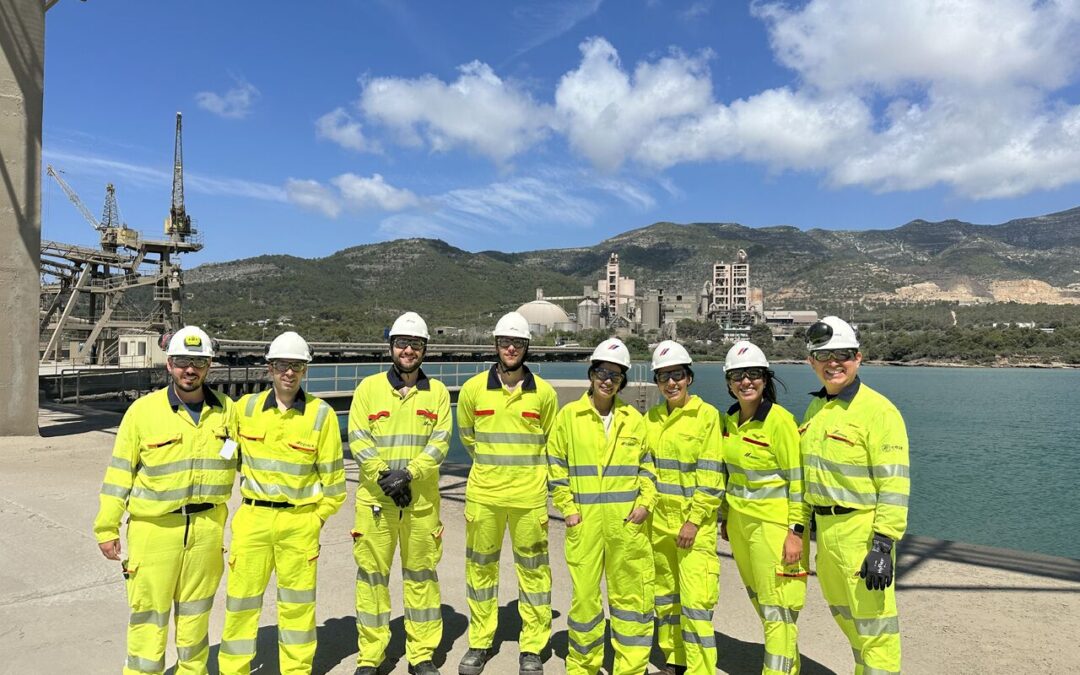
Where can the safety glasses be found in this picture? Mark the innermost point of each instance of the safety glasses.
(286, 366)
(199, 362)
(602, 374)
(739, 374)
(673, 375)
(508, 342)
(841, 355)
(417, 344)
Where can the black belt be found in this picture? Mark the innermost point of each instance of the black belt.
(189, 509)
(832, 510)
(269, 505)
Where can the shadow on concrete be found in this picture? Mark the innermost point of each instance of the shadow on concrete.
(66, 420)
(916, 551)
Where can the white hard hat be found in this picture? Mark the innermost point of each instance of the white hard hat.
(670, 353)
(410, 324)
(745, 354)
(612, 350)
(289, 345)
(190, 341)
(512, 325)
(832, 332)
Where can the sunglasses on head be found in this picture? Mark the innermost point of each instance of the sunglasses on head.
(752, 373)
(199, 362)
(507, 342)
(286, 366)
(417, 344)
(833, 355)
(673, 375)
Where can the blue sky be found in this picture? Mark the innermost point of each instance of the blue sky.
(311, 127)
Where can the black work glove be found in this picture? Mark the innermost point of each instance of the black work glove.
(403, 498)
(877, 567)
(393, 481)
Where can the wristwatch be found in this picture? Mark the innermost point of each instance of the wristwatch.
(798, 529)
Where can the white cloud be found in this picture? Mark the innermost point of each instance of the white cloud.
(477, 111)
(233, 104)
(373, 193)
(696, 10)
(313, 195)
(547, 21)
(338, 126)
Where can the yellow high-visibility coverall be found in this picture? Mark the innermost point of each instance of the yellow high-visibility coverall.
(603, 478)
(162, 463)
(388, 431)
(505, 433)
(286, 458)
(687, 451)
(764, 498)
(855, 455)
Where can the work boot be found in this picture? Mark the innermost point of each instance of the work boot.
(473, 662)
(366, 670)
(424, 668)
(530, 664)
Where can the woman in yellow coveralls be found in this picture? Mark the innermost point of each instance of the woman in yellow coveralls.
(602, 480)
(683, 434)
(763, 514)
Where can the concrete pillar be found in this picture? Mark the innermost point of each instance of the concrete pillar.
(22, 74)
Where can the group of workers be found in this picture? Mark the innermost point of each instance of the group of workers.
(643, 498)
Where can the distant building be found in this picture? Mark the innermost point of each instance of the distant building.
(729, 301)
(617, 295)
(784, 322)
(139, 350)
(544, 316)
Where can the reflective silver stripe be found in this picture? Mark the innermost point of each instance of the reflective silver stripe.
(632, 616)
(697, 614)
(466, 431)
(400, 463)
(777, 613)
(278, 466)
(252, 402)
(585, 649)
(320, 416)
(243, 604)
(673, 489)
(434, 453)
(439, 435)
(373, 620)
(295, 637)
(303, 596)
(650, 475)
(532, 562)
(673, 599)
(277, 490)
(795, 497)
(795, 473)
(481, 594)
(429, 614)
(778, 663)
(334, 489)
(670, 620)
(159, 619)
(711, 491)
(616, 470)
(882, 626)
(367, 453)
(194, 607)
(120, 463)
(683, 467)
(179, 493)
(648, 458)
(496, 438)
(867, 670)
(145, 665)
(710, 465)
(858, 470)
(361, 435)
(708, 642)
(509, 460)
(190, 652)
(892, 498)
(585, 626)
(535, 599)
(115, 490)
(840, 611)
(330, 467)
(620, 497)
(203, 463)
(398, 440)
(838, 495)
(238, 647)
(372, 578)
(765, 492)
(556, 461)
(632, 640)
(577, 470)
(558, 482)
(756, 476)
(419, 576)
(481, 558)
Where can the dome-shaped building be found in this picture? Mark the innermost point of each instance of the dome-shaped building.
(544, 316)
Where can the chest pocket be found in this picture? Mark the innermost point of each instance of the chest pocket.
(688, 446)
(531, 419)
(755, 452)
(845, 444)
(159, 449)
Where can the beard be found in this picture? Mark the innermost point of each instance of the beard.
(406, 370)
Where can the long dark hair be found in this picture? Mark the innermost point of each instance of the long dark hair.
(770, 386)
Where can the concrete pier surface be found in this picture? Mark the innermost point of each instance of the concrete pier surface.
(963, 608)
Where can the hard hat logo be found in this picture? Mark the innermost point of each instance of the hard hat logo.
(744, 354)
(193, 341)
